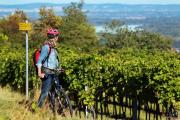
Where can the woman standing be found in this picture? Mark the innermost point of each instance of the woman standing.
(47, 62)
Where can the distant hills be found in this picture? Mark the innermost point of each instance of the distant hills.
(164, 19)
(102, 12)
(101, 6)
(30, 5)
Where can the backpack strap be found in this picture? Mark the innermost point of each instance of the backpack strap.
(47, 57)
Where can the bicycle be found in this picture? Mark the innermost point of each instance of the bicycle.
(59, 101)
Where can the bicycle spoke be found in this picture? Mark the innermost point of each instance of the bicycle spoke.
(64, 106)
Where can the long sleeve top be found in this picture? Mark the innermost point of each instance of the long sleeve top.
(52, 61)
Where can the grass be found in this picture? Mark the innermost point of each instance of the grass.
(10, 109)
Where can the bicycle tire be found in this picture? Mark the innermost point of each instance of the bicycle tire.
(49, 103)
(63, 104)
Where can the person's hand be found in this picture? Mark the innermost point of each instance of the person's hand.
(61, 70)
(41, 75)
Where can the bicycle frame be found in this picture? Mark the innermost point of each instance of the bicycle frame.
(58, 95)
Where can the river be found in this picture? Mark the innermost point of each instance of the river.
(132, 27)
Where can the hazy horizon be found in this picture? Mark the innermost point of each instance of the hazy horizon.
(11, 2)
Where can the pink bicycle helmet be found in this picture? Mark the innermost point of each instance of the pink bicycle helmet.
(52, 33)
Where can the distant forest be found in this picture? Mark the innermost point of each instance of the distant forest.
(169, 26)
(164, 19)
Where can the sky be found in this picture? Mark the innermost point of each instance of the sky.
(93, 1)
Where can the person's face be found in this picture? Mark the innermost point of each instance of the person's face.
(56, 38)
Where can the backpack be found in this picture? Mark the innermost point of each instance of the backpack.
(36, 56)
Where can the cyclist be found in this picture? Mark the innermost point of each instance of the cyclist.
(47, 62)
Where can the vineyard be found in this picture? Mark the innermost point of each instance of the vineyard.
(116, 74)
(127, 78)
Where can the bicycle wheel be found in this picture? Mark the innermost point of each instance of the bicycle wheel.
(50, 102)
(62, 103)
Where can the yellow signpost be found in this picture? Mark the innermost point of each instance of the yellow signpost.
(25, 26)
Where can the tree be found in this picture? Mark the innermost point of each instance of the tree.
(118, 36)
(47, 19)
(152, 41)
(112, 29)
(75, 29)
(10, 26)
